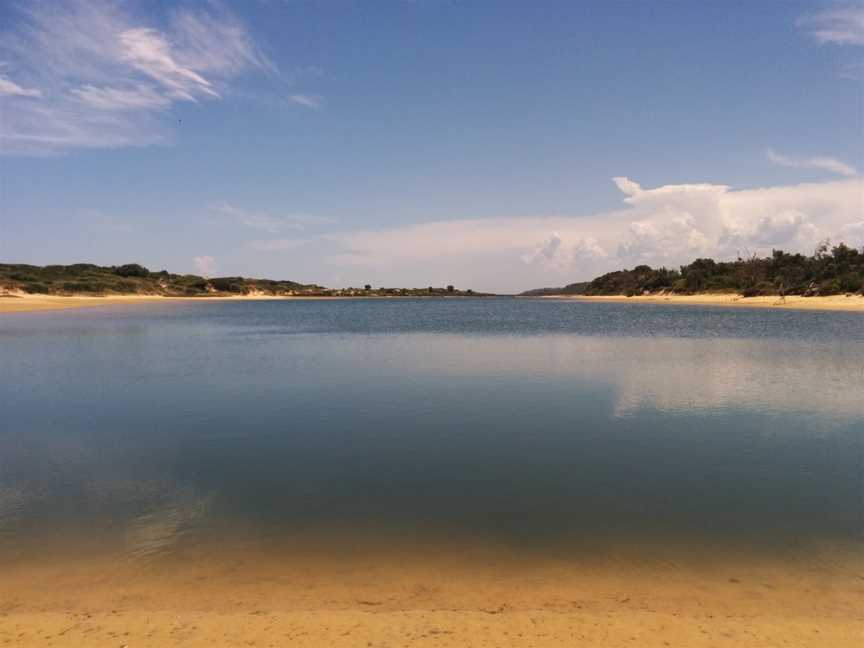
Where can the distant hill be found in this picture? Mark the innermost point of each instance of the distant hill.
(829, 271)
(570, 289)
(135, 279)
(89, 279)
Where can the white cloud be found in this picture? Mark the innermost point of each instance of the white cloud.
(818, 162)
(556, 253)
(92, 74)
(839, 25)
(12, 89)
(545, 252)
(137, 98)
(149, 51)
(852, 234)
(663, 241)
(216, 42)
(307, 101)
(667, 225)
(204, 265)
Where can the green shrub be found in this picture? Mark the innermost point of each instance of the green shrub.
(132, 270)
(36, 288)
(830, 287)
(851, 282)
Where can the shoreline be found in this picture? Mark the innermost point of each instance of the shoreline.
(27, 303)
(853, 303)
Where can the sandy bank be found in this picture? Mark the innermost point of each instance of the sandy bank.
(832, 303)
(304, 600)
(23, 303)
(27, 303)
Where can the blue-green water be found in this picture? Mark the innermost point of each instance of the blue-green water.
(535, 423)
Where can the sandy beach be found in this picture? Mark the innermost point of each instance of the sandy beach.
(24, 303)
(832, 303)
(21, 303)
(478, 598)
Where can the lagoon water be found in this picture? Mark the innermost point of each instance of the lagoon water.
(550, 427)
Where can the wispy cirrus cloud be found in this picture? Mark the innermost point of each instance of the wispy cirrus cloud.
(840, 25)
(98, 221)
(277, 245)
(821, 162)
(150, 52)
(12, 89)
(140, 97)
(267, 222)
(313, 102)
(94, 74)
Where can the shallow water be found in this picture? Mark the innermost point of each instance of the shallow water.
(559, 427)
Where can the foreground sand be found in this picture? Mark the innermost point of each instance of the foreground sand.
(480, 599)
(834, 302)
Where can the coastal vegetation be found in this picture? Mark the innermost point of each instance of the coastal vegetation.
(87, 279)
(830, 270)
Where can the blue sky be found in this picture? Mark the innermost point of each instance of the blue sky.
(427, 142)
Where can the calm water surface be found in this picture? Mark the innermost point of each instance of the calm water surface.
(534, 423)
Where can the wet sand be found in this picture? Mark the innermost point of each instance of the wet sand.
(833, 303)
(437, 596)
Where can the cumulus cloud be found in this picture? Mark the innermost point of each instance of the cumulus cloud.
(204, 265)
(783, 228)
(852, 234)
(838, 25)
(818, 162)
(555, 252)
(663, 241)
(666, 225)
(544, 252)
(92, 74)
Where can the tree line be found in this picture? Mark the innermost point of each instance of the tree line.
(830, 270)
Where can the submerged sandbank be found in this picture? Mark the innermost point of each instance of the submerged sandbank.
(833, 302)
